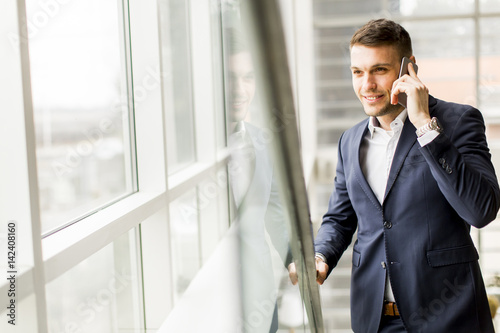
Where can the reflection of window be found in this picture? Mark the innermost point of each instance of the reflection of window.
(184, 229)
(177, 96)
(101, 294)
(213, 200)
(81, 111)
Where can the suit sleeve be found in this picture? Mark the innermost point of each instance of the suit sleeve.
(340, 221)
(460, 162)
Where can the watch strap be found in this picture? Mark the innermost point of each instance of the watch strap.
(432, 125)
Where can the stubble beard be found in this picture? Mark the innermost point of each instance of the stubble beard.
(386, 110)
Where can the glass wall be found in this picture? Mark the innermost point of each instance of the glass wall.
(253, 245)
(261, 220)
(80, 87)
(100, 294)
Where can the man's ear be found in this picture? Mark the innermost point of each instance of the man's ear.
(412, 58)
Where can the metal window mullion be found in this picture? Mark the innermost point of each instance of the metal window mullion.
(128, 119)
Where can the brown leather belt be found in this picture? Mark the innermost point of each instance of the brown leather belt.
(390, 309)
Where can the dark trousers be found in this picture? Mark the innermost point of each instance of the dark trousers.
(391, 325)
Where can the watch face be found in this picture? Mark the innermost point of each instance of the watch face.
(435, 124)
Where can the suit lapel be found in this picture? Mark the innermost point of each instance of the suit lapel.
(359, 172)
(406, 141)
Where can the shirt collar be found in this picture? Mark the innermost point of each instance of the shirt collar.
(396, 124)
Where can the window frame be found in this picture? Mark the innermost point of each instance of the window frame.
(23, 204)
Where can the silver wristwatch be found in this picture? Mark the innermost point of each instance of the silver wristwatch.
(432, 125)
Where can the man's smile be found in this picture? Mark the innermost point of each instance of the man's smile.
(373, 98)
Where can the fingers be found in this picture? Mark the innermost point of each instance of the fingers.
(396, 90)
(394, 96)
(321, 271)
(292, 273)
(409, 84)
(411, 71)
(411, 74)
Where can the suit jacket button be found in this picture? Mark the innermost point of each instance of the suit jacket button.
(448, 170)
(387, 224)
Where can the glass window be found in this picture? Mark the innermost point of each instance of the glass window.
(440, 55)
(340, 8)
(269, 301)
(489, 79)
(185, 238)
(101, 294)
(26, 306)
(489, 6)
(80, 94)
(177, 94)
(213, 199)
(431, 7)
(489, 98)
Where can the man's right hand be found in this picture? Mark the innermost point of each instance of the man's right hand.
(321, 271)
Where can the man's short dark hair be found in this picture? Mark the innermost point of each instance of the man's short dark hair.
(382, 32)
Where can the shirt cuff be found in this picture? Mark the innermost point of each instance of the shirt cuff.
(321, 257)
(428, 137)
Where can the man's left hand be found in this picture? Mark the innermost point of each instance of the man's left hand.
(417, 102)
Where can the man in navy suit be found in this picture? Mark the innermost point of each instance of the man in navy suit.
(412, 180)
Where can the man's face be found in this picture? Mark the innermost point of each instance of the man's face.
(241, 85)
(374, 69)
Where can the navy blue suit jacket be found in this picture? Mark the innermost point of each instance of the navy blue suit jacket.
(422, 230)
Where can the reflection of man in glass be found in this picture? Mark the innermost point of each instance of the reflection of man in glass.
(241, 92)
(259, 215)
(242, 85)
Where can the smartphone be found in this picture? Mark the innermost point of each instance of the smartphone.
(404, 70)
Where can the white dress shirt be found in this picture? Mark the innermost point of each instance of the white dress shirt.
(379, 143)
(376, 154)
